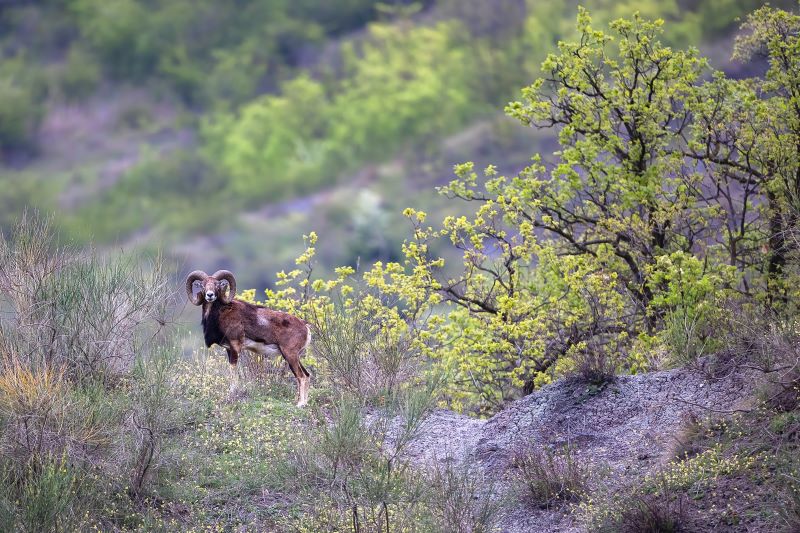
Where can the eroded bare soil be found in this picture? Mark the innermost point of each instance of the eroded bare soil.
(624, 429)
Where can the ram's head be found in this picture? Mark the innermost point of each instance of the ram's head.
(220, 285)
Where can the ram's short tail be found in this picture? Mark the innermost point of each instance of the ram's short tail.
(308, 340)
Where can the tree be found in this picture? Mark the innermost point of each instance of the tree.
(766, 150)
(670, 183)
(568, 263)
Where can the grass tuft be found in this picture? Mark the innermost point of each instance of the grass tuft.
(548, 478)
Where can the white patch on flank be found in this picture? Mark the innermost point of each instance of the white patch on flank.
(261, 348)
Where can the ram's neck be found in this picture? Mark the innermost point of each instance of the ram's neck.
(212, 308)
(211, 324)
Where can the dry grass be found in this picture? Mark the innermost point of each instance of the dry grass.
(43, 418)
(548, 478)
(77, 311)
(462, 499)
(84, 379)
(654, 513)
(595, 366)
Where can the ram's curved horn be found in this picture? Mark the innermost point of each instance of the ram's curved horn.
(197, 275)
(227, 275)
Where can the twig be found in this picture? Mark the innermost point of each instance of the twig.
(721, 411)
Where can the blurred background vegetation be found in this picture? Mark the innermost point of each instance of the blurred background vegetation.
(243, 134)
(220, 132)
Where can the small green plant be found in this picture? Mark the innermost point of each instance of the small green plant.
(48, 495)
(461, 498)
(656, 513)
(549, 477)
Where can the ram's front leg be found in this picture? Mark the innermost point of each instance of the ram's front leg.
(233, 368)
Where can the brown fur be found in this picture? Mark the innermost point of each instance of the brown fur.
(237, 325)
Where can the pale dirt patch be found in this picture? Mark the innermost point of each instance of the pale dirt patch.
(622, 430)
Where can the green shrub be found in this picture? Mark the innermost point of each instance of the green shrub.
(120, 32)
(548, 477)
(186, 75)
(275, 146)
(461, 498)
(357, 354)
(80, 74)
(48, 496)
(688, 295)
(85, 379)
(20, 113)
(384, 103)
(235, 75)
(44, 496)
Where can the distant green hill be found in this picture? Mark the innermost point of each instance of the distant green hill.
(149, 122)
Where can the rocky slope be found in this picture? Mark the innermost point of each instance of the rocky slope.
(624, 429)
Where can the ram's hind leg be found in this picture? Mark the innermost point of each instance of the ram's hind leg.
(302, 376)
(305, 384)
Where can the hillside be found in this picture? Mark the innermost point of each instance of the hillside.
(626, 436)
(591, 326)
(123, 136)
(623, 433)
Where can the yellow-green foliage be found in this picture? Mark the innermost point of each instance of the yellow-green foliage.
(691, 298)
(403, 85)
(393, 300)
(576, 265)
(583, 265)
(274, 136)
(378, 89)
